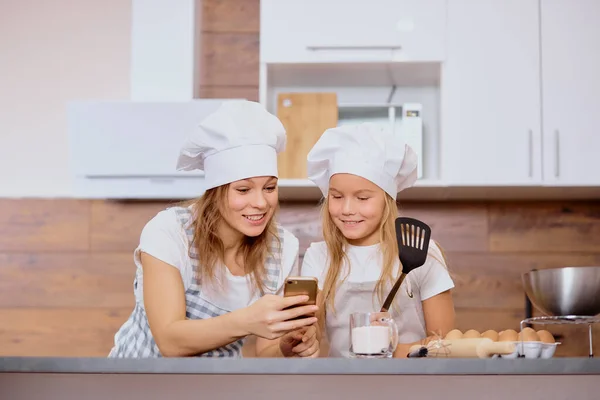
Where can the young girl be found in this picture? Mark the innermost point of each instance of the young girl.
(360, 169)
(210, 273)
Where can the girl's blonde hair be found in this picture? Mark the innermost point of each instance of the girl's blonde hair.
(336, 244)
(207, 217)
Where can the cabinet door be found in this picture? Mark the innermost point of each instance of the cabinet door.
(491, 130)
(346, 31)
(571, 91)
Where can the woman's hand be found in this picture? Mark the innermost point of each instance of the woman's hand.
(269, 319)
(300, 343)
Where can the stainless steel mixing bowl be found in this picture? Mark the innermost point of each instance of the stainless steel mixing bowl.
(564, 291)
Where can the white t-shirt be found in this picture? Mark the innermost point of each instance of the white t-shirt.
(366, 263)
(165, 238)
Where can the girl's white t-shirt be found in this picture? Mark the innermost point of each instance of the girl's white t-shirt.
(430, 279)
(165, 238)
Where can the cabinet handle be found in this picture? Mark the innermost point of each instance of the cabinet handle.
(530, 153)
(316, 48)
(557, 153)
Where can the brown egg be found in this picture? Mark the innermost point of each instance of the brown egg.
(545, 336)
(491, 334)
(528, 335)
(528, 329)
(525, 330)
(509, 335)
(471, 333)
(454, 334)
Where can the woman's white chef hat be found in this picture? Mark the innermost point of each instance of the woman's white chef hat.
(240, 140)
(367, 150)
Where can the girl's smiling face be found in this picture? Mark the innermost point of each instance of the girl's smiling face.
(356, 206)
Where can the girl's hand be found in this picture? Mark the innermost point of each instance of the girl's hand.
(300, 343)
(269, 319)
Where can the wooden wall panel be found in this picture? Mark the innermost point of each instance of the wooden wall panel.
(485, 280)
(116, 225)
(455, 226)
(64, 332)
(545, 227)
(49, 225)
(482, 319)
(229, 59)
(241, 16)
(66, 280)
(303, 220)
(229, 92)
(228, 54)
(82, 287)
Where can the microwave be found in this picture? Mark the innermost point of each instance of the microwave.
(403, 119)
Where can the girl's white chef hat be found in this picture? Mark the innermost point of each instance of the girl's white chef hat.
(367, 150)
(240, 140)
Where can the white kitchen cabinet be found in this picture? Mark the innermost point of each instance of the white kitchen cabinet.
(490, 93)
(571, 91)
(298, 31)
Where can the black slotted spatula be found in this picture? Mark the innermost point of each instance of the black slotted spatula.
(413, 237)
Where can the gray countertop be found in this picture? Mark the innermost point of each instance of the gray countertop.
(322, 366)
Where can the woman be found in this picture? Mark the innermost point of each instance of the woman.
(360, 169)
(210, 273)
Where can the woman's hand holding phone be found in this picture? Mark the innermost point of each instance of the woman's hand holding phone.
(273, 316)
(303, 342)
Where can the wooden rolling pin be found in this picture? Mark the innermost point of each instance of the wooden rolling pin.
(468, 348)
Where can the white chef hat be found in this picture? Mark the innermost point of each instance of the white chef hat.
(239, 140)
(367, 150)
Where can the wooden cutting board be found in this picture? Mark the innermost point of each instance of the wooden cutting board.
(305, 117)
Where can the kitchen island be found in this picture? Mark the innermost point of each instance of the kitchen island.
(163, 378)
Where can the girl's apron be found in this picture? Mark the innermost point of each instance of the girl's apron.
(354, 297)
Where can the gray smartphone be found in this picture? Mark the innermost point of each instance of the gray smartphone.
(302, 285)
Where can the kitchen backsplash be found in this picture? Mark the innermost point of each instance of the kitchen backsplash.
(66, 266)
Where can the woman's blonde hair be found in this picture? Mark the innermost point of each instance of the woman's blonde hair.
(336, 244)
(208, 245)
